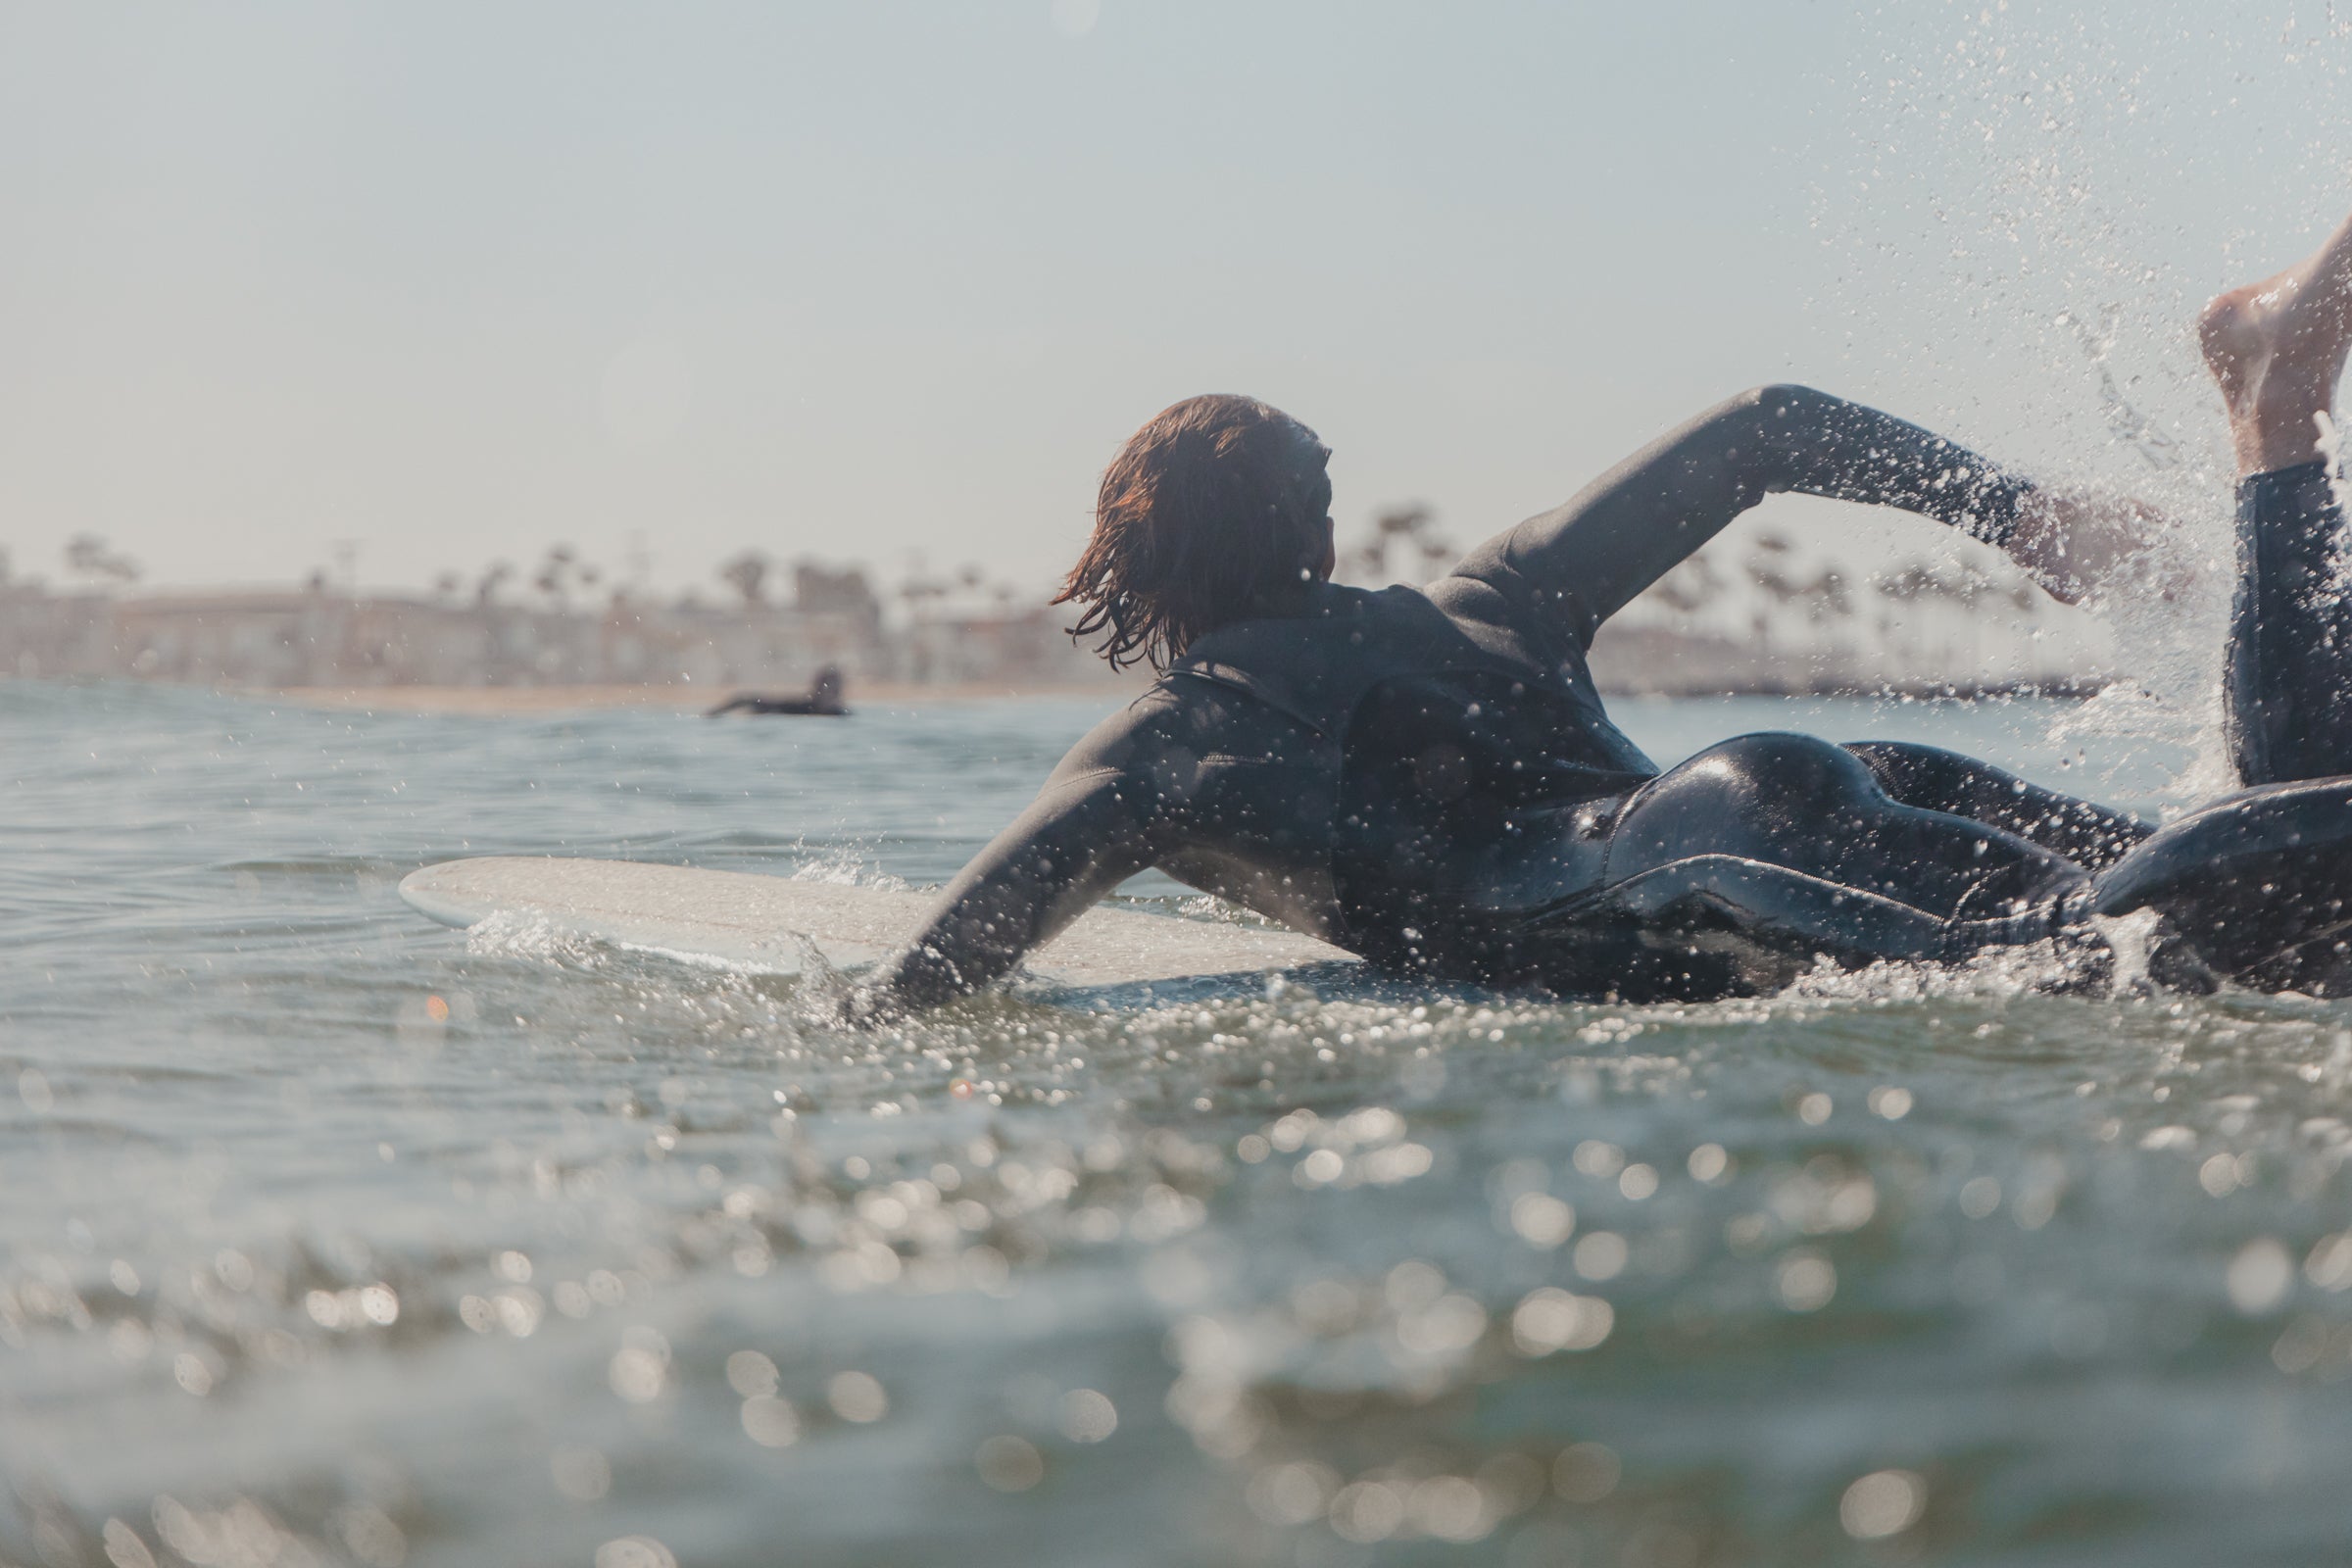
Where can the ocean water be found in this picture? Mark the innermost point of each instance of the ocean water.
(325, 1238)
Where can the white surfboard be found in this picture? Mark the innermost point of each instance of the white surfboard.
(767, 925)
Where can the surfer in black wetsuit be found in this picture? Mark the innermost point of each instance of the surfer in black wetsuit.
(1427, 778)
(823, 699)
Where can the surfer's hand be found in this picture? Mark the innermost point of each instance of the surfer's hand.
(2075, 542)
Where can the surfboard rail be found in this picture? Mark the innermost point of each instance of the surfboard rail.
(767, 925)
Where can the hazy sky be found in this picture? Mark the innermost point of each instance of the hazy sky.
(870, 279)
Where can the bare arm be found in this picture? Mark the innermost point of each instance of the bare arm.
(1586, 559)
(1089, 830)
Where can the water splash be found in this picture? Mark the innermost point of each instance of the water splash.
(2043, 208)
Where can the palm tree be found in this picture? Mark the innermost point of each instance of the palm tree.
(87, 556)
(1411, 527)
(1690, 586)
(553, 573)
(747, 574)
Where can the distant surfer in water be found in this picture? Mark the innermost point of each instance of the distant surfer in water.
(823, 699)
(1426, 776)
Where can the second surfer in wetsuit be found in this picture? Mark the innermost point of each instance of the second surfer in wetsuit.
(1427, 777)
(823, 699)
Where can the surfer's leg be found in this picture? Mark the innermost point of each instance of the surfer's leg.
(1801, 805)
(2090, 835)
(2250, 888)
(1740, 870)
(2288, 686)
(2276, 349)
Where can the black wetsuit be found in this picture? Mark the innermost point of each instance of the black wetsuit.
(823, 702)
(1427, 777)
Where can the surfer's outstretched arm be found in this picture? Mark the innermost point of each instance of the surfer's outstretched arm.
(1588, 558)
(1089, 829)
(2278, 350)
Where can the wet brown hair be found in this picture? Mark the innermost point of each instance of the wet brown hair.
(1211, 514)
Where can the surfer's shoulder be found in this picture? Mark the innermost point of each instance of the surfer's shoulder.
(1173, 717)
(1124, 742)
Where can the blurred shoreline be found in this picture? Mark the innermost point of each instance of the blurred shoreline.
(523, 702)
(1775, 622)
(531, 702)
